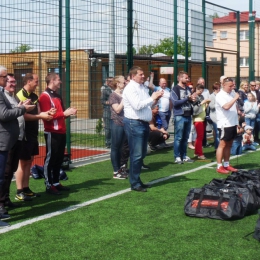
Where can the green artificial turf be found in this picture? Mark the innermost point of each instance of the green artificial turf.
(133, 225)
(82, 140)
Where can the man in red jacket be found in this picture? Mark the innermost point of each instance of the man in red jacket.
(54, 133)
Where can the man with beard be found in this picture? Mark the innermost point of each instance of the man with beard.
(181, 99)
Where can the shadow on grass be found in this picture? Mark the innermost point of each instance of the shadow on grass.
(174, 179)
(48, 203)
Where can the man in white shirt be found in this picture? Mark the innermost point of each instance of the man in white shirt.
(164, 103)
(137, 115)
(227, 121)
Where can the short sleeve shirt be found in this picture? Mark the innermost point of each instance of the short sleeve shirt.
(225, 117)
(31, 127)
(117, 118)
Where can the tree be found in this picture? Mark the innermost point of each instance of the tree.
(134, 51)
(215, 15)
(22, 48)
(166, 46)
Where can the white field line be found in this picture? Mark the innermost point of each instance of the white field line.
(75, 207)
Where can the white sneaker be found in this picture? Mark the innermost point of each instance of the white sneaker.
(188, 159)
(178, 160)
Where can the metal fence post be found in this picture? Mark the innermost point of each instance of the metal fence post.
(129, 34)
(68, 139)
(204, 41)
(186, 35)
(175, 41)
(60, 41)
(238, 50)
(251, 42)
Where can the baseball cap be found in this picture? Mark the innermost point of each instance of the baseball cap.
(222, 78)
(248, 127)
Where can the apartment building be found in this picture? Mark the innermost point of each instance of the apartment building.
(225, 44)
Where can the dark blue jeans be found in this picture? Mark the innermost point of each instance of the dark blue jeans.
(236, 148)
(137, 133)
(117, 140)
(248, 147)
(182, 127)
(165, 117)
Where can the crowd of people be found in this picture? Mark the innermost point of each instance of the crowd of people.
(136, 116)
(19, 120)
(140, 113)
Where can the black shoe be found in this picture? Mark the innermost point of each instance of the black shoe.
(146, 186)
(145, 167)
(61, 187)
(22, 197)
(30, 193)
(3, 210)
(52, 190)
(153, 148)
(10, 204)
(140, 188)
(4, 216)
(3, 224)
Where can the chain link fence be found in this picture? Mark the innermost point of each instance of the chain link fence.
(87, 41)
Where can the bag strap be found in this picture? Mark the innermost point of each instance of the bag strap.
(220, 200)
(200, 200)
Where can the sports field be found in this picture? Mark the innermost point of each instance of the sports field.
(100, 218)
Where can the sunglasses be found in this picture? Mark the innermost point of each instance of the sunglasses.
(227, 80)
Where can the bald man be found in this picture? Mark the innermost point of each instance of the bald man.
(164, 103)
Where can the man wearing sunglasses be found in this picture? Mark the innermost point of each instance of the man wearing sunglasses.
(9, 132)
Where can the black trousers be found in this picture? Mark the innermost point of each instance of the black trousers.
(11, 166)
(55, 148)
(155, 138)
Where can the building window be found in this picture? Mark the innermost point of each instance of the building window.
(244, 35)
(213, 59)
(223, 35)
(225, 61)
(214, 35)
(244, 62)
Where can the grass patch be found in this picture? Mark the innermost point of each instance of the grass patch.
(82, 140)
(134, 225)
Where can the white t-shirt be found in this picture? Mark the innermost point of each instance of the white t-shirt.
(225, 118)
(164, 101)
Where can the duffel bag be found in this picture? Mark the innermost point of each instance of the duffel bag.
(250, 199)
(215, 202)
(244, 176)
